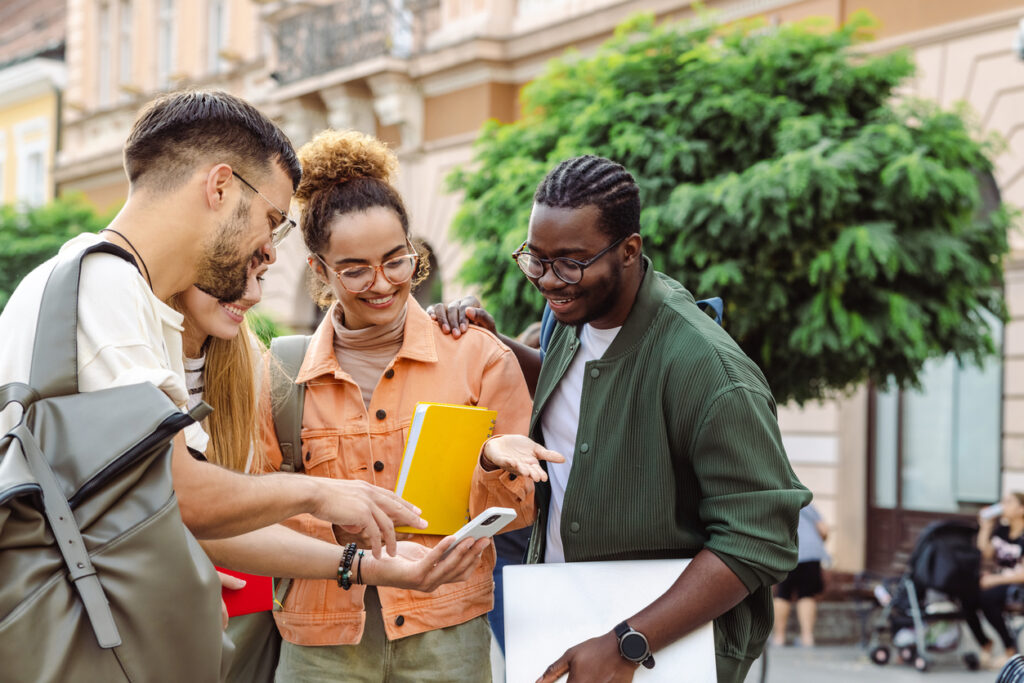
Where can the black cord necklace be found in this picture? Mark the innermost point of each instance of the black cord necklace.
(132, 247)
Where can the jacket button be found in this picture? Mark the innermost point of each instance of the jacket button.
(389, 373)
(512, 477)
(378, 466)
(381, 414)
(595, 373)
(399, 620)
(584, 447)
(308, 456)
(574, 527)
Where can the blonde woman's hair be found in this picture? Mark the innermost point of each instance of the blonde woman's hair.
(229, 386)
(346, 172)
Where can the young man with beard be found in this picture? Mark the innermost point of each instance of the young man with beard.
(210, 179)
(668, 429)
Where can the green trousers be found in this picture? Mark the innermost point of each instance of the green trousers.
(457, 654)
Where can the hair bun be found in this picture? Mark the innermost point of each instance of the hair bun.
(335, 156)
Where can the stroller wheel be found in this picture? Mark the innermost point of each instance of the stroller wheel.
(880, 655)
(971, 661)
(921, 664)
(908, 653)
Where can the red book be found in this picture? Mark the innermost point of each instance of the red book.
(257, 595)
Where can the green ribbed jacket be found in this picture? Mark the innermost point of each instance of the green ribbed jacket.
(678, 448)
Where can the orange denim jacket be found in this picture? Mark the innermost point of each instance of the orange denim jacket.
(342, 439)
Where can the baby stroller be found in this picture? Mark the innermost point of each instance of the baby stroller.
(923, 608)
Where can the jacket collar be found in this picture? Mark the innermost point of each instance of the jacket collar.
(417, 344)
(648, 301)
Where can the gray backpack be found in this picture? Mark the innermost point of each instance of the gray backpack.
(101, 580)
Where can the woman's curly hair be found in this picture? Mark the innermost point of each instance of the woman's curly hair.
(346, 172)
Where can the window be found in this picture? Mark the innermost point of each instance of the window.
(165, 43)
(103, 63)
(217, 25)
(34, 176)
(31, 145)
(124, 48)
(939, 447)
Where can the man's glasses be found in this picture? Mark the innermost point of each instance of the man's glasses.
(358, 279)
(568, 270)
(279, 231)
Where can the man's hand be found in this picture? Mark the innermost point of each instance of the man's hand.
(417, 567)
(519, 455)
(593, 661)
(368, 512)
(231, 583)
(456, 317)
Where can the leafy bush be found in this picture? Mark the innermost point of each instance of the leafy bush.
(844, 229)
(265, 327)
(30, 236)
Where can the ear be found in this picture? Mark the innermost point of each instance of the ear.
(633, 249)
(218, 180)
(318, 269)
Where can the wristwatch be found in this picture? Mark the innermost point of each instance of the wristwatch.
(633, 645)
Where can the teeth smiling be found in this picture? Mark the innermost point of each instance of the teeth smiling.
(382, 300)
(234, 309)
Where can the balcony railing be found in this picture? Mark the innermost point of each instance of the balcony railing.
(342, 34)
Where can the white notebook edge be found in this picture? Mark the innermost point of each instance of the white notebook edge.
(418, 418)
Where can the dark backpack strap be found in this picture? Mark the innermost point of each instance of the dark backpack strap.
(547, 328)
(714, 303)
(287, 397)
(55, 349)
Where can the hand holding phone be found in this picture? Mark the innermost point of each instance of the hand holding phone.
(484, 525)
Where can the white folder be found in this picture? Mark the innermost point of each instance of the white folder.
(552, 607)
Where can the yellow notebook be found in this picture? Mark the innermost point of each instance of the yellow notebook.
(437, 468)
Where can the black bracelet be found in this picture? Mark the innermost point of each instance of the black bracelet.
(359, 568)
(345, 568)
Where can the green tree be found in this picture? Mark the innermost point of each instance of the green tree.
(843, 227)
(265, 327)
(30, 236)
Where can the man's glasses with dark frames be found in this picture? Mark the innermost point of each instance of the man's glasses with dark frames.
(568, 270)
(357, 279)
(281, 230)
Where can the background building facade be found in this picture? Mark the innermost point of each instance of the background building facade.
(425, 74)
(32, 77)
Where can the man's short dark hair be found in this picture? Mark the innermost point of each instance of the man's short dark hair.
(177, 131)
(594, 181)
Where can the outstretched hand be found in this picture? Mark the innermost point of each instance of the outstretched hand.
(519, 455)
(417, 567)
(365, 512)
(456, 317)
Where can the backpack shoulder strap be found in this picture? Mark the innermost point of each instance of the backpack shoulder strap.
(715, 304)
(287, 397)
(547, 328)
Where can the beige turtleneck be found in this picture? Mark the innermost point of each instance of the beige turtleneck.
(365, 353)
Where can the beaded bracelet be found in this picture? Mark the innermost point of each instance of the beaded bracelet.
(345, 568)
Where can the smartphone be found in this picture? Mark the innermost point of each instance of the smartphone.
(484, 525)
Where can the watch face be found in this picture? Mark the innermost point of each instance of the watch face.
(633, 646)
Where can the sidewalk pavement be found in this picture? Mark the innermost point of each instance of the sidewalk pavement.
(849, 664)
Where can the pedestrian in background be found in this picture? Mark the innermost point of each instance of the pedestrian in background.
(805, 583)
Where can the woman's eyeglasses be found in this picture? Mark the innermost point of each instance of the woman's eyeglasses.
(358, 279)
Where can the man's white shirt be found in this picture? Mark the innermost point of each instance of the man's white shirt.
(559, 424)
(126, 335)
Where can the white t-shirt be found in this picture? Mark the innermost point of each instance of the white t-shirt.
(559, 423)
(126, 335)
